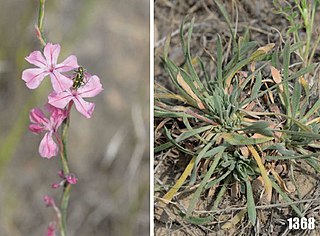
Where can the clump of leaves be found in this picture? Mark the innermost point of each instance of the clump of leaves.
(237, 122)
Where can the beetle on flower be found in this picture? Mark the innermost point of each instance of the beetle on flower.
(90, 89)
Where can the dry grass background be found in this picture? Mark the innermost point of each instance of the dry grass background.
(109, 152)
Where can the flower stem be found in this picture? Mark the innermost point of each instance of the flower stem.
(63, 153)
(66, 188)
(39, 27)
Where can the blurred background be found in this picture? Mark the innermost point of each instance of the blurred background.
(109, 153)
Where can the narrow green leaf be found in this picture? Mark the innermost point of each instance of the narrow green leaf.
(217, 180)
(246, 48)
(182, 137)
(175, 143)
(196, 195)
(190, 81)
(293, 157)
(173, 71)
(190, 128)
(309, 135)
(170, 114)
(240, 140)
(213, 152)
(312, 111)
(257, 125)
(280, 147)
(219, 60)
(226, 17)
(252, 213)
(205, 220)
(191, 69)
(257, 85)
(205, 74)
(287, 199)
(301, 72)
(260, 127)
(296, 98)
(199, 157)
(313, 163)
(286, 63)
(199, 220)
(217, 100)
(286, 60)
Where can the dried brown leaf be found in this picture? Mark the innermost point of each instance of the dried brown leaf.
(267, 48)
(275, 73)
(187, 88)
(280, 180)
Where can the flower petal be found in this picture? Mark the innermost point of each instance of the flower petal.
(36, 128)
(36, 116)
(91, 88)
(36, 58)
(33, 77)
(49, 108)
(68, 64)
(57, 117)
(85, 108)
(51, 53)
(60, 100)
(48, 148)
(60, 82)
(71, 178)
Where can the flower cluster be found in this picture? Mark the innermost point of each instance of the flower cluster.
(67, 90)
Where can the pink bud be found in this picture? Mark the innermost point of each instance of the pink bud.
(51, 230)
(55, 185)
(71, 179)
(61, 174)
(49, 201)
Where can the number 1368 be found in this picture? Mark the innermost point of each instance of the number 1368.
(301, 223)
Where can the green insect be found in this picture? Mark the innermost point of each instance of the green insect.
(78, 80)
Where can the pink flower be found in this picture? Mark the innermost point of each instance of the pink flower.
(51, 230)
(40, 123)
(47, 64)
(91, 88)
(70, 178)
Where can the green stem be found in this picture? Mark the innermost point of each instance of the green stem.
(64, 155)
(39, 27)
(63, 209)
(41, 14)
(67, 186)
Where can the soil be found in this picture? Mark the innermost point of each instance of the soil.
(265, 26)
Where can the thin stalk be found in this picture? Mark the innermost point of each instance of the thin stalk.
(63, 153)
(314, 8)
(39, 27)
(41, 14)
(63, 209)
(66, 188)
(65, 167)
